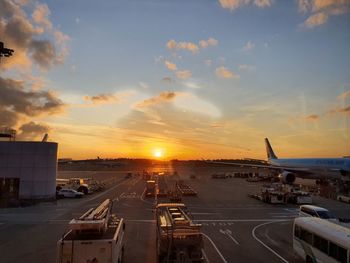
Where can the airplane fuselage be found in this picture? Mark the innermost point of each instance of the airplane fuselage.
(316, 166)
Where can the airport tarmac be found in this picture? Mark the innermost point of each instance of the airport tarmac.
(235, 227)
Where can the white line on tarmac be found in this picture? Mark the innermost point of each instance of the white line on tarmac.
(215, 247)
(228, 232)
(262, 243)
(205, 256)
(205, 213)
(240, 220)
(141, 220)
(104, 192)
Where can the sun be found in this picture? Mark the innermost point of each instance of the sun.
(158, 153)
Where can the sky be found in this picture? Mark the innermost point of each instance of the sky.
(186, 79)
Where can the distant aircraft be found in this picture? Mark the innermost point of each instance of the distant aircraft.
(5, 52)
(309, 168)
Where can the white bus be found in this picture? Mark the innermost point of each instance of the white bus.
(318, 240)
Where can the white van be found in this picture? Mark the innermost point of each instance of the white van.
(316, 211)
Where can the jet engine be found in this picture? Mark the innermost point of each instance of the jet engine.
(287, 177)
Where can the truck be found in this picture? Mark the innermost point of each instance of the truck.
(96, 236)
(77, 184)
(150, 188)
(178, 238)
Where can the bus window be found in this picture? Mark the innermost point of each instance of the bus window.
(306, 236)
(297, 231)
(320, 243)
(337, 252)
(333, 250)
(342, 254)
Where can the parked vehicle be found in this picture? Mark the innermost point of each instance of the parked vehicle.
(69, 193)
(343, 198)
(96, 236)
(316, 211)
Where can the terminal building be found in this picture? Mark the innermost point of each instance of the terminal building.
(27, 170)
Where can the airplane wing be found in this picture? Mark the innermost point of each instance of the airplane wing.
(299, 170)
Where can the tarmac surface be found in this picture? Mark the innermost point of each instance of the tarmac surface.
(235, 228)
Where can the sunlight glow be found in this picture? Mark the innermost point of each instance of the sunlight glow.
(158, 153)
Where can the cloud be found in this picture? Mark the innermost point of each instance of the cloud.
(169, 65)
(163, 97)
(344, 95)
(192, 84)
(35, 40)
(263, 3)
(316, 20)
(344, 110)
(246, 67)
(173, 45)
(312, 117)
(190, 46)
(143, 85)
(210, 42)
(234, 4)
(320, 10)
(249, 46)
(41, 16)
(16, 102)
(183, 74)
(102, 99)
(32, 130)
(223, 72)
(167, 80)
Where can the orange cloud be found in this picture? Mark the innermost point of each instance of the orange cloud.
(163, 97)
(210, 42)
(234, 4)
(41, 16)
(316, 20)
(320, 10)
(223, 72)
(173, 45)
(169, 65)
(344, 95)
(184, 74)
(101, 98)
(312, 117)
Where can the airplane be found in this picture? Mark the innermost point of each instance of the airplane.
(308, 168)
(5, 52)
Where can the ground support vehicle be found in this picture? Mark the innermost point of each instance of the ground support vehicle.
(343, 198)
(185, 189)
(77, 184)
(150, 188)
(96, 236)
(298, 197)
(178, 238)
(272, 196)
(174, 196)
(162, 187)
(319, 240)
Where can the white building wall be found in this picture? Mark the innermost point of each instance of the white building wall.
(35, 163)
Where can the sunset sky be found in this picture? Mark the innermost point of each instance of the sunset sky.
(184, 79)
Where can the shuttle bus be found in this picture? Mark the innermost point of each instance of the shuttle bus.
(318, 240)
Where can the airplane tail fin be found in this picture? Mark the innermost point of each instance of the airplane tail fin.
(269, 151)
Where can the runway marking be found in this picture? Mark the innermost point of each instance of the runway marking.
(141, 220)
(104, 192)
(240, 220)
(142, 198)
(215, 247)
(205, 213)
(205, 256)
(228, 232)
(262, 243)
